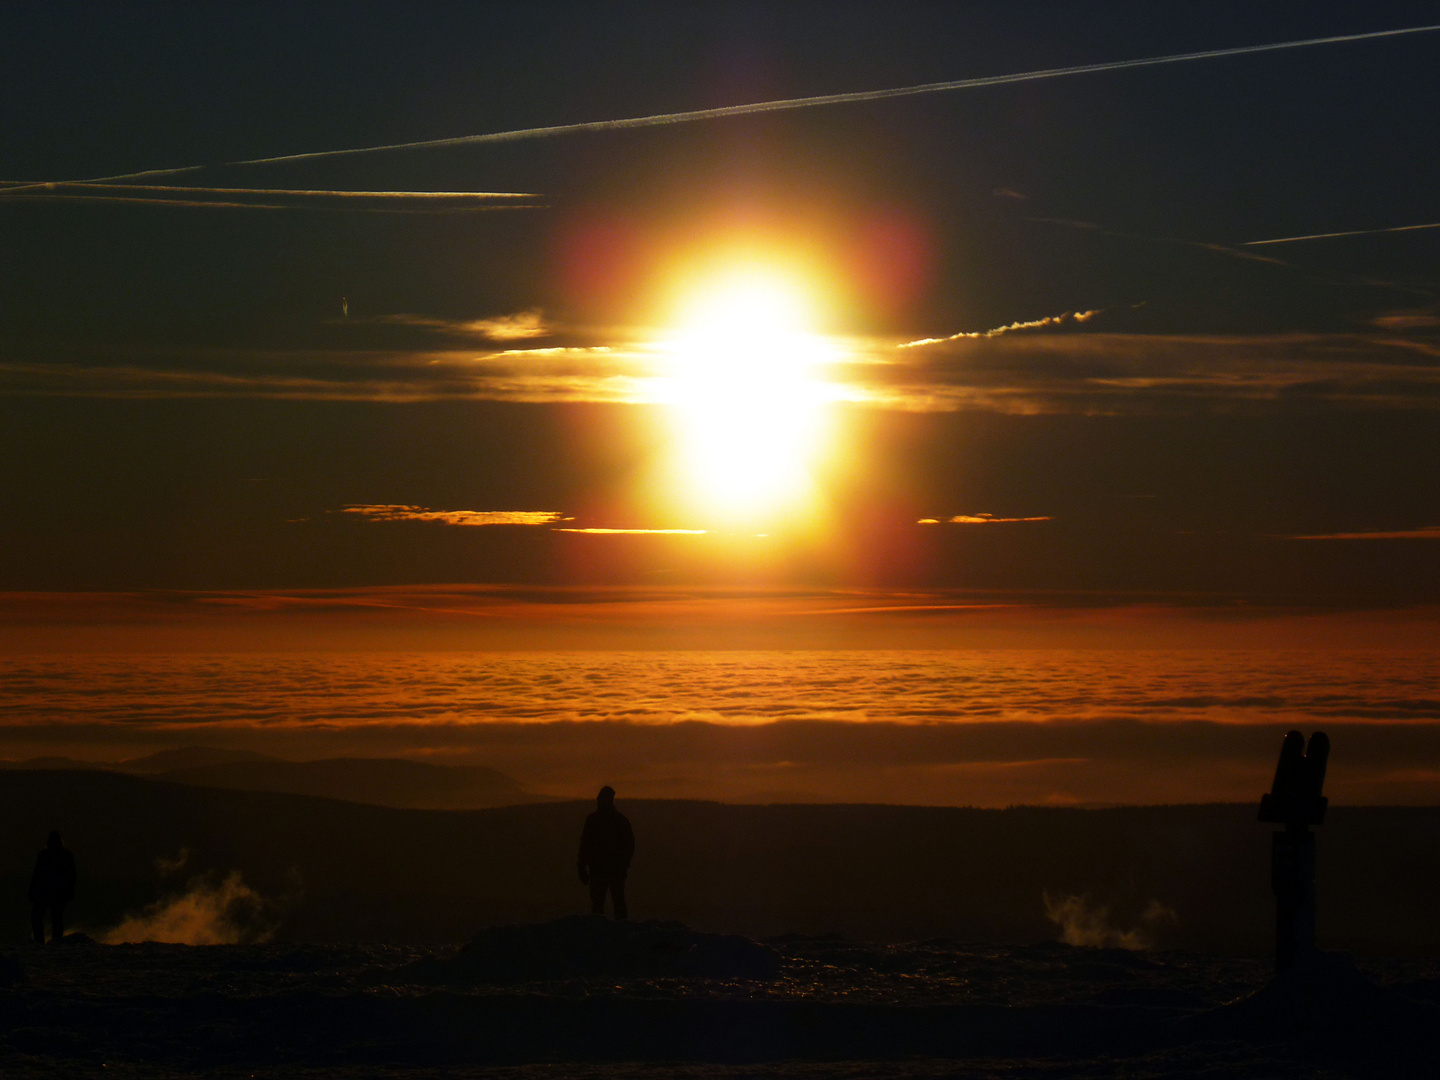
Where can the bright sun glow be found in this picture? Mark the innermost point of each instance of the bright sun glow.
(743, 377)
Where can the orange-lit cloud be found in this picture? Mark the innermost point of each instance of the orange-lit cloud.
(514, 327)
(980, 519)
(637, 532)
(523, 324)
(388, 512)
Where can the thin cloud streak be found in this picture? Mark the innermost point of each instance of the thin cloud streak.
(534, 376)
(1429, 532)
(1407, 320)
(511, 618)
(786, 104)
(885, 609)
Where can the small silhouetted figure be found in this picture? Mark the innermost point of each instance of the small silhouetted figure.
(606, 846)
(51, 887)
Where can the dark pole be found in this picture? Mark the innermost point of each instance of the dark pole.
(1295, 801)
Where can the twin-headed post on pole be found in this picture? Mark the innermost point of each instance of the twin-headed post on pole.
(1295, 802)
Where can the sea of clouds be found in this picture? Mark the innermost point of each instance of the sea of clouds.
(961, 727)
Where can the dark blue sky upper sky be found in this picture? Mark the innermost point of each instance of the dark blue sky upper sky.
(182, 404)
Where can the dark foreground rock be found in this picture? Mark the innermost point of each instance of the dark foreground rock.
(588, 945)
(1039, 1012)
(1325, 1008)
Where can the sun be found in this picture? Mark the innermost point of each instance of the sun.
(749, 401)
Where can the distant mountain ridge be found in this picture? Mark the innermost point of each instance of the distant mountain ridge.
(189, 757)
(393, 782)
(180, 757)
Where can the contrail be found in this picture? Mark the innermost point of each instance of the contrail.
(63, 188)
(1220, 249)
(1238, 252)
(998, 331)
(783, 105)
(1348, 232)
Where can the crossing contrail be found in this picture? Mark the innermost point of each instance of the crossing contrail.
(253, 198)
(1348, 232)
(64, 187)
(223, 204)
(782, 105)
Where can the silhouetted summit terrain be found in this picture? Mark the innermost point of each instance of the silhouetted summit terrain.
(582, 945)
(614, 995)
(342, 871)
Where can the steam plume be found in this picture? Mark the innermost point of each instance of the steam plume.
(212, 911)
(1081, 924)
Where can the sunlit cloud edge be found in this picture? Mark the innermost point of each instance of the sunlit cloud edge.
(1020, 373)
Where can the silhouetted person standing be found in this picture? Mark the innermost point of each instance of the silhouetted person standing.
(606, 846)
(51, 887)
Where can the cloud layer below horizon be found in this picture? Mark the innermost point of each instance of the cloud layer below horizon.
(981, 728)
